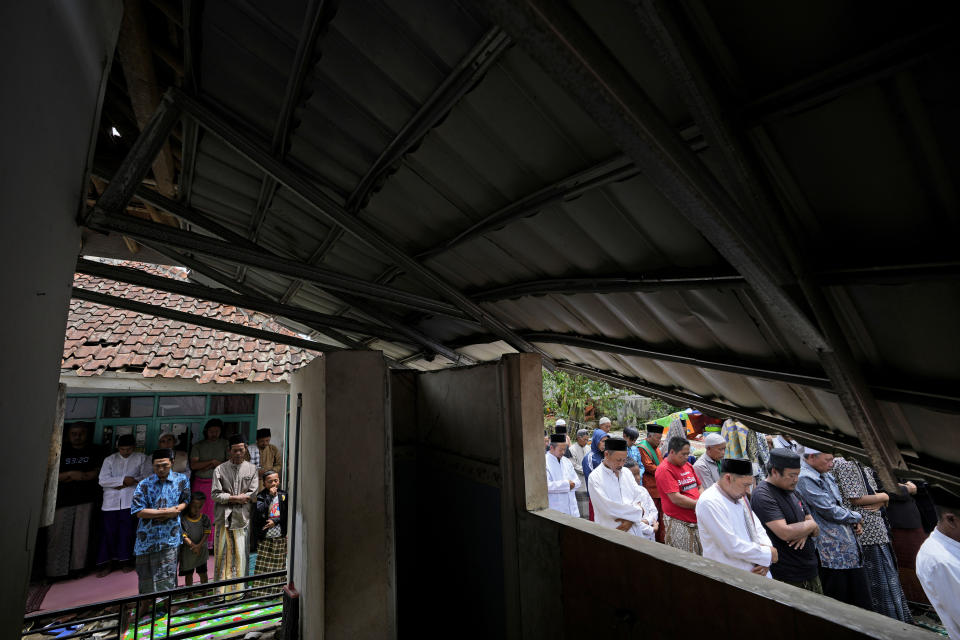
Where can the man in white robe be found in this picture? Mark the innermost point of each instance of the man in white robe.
(618, 501)
(729, 531)
(562, 480)
(938, 561)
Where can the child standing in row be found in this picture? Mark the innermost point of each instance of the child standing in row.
(196, 529)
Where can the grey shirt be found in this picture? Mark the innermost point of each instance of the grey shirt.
(707, 470)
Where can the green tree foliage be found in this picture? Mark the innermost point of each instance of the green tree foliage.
(568, 396)
(659, 408)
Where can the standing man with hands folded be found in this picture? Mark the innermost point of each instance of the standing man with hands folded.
(729, 532)
(158, 501)
(235, 483)
(788, 522)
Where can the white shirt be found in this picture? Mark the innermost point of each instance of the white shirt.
(724, 534)
(938, 568)
(115, 468)
(784, 443)
(621, 497)
(576, 457)
(559, 475)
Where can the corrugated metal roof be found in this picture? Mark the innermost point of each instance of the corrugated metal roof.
(855, 152)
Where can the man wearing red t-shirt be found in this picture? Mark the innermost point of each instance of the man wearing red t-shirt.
(679, 489)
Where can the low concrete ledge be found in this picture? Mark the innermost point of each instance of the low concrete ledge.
(735, 601)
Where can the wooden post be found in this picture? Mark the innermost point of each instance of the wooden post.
(49, 504)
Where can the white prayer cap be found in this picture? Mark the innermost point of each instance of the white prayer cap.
(714, 438)
(810, 451)
(561, 422)
(604, 420)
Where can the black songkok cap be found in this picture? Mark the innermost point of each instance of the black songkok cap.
(558, 438)
(560, 428)
(944, 497)
(736, 466)
(163, 453)
(785, 458)
(263, 433)
(616, 444)
(126, 440)
(653, 427)
(236, 439)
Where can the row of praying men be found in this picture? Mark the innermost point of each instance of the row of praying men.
(816, 521)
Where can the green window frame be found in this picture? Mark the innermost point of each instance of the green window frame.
(155, 423)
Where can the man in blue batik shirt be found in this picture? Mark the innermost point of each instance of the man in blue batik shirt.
(841, 561)
(157, 502)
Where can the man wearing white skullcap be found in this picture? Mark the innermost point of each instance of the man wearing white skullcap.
(604, 424)
(707, 465)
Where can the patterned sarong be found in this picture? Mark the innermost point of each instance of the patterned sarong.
(231, 557)
(67, 540)
(157, 571)
(886, 595)
(271, 556)
(682, 535)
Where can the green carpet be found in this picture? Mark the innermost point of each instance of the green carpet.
(185, 621)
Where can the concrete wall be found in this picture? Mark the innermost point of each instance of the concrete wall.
(53, 60)
(272, 413)
(479, 555)
(457, 552)
(307, 558)
(360, 600)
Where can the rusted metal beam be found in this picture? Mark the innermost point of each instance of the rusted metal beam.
(459, 81)
(256, 303)
(201, 321)
(336, 214)
(187, 240)
(743, 174)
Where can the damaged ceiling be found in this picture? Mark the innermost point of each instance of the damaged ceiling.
(747, 208)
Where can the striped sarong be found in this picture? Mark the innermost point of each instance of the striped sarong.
(682, 535)
(231, 557)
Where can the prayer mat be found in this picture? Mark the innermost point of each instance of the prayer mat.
(235, 614)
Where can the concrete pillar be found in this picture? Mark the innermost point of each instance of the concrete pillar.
(360, 598)
(54, 61)
(307, 558)
(344, 564)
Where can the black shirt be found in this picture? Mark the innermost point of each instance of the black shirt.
(772, 503)
(73, 493)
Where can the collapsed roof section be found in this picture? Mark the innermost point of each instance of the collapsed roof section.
(740, 209)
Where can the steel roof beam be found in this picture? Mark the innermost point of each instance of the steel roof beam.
(821, 437)
(413, 336)
(611, 170)
(327, 278)
(244, 289)
(321, 321)
(686, 280)
(893, 392)
(336, 214)
(192, 318)
(316, 17)
(741, 171)
(458, 83)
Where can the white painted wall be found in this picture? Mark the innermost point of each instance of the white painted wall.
(272, 413)
(54, 58)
